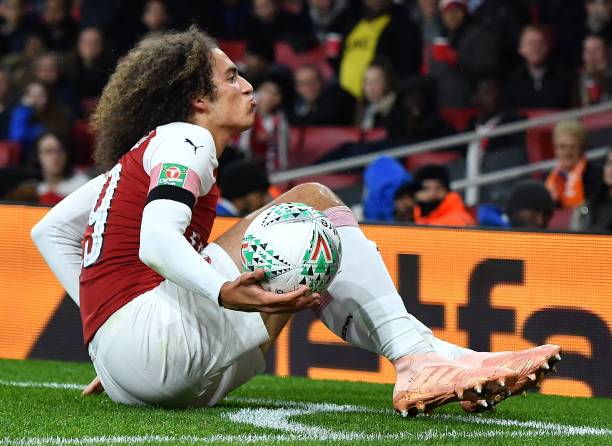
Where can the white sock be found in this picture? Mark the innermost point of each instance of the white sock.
(362, 305)
(442, 348)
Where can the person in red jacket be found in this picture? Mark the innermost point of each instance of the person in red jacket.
(436, 204)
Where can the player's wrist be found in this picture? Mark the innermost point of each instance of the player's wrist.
(222, 290)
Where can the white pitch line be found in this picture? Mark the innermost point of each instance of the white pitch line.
(49, 385)
(279, 419)
(426, 436)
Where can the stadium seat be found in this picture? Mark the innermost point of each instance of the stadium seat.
(414, 162)
(540, 144)
(9, 153)
(233, 48)
(310, 143)
(335, 180)
(286, 55)
(83, 142)
(561, 219)
(375, 134)
(458, 118)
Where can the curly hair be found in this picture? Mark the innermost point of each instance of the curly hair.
(152, 85)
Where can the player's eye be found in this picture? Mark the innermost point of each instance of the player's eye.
(233, 77)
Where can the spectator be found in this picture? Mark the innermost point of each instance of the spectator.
(317, 103)
(235, 15)
(436, 204)
(529, 206)
(258, 64)
(47, 71)
(245, 195)
(491, 114)
(327, 17)
(63, 31)
(384, 30)
(491, 154)
(596, 214)
(467, 53)
(155, 18)
(379, 95)
(537, 82)
(599, 18)
(595, 81)
(505, 20)
(415, 116)
(425, 14)
(567, 21)
(16, 25)
(267, 141)
(270, 23)
(6, 104)
(404, 203)
(21, 65)
(37, 113)
(573, 179)
(97, 14)
(57, 178)
(89, 67)
(381, 180)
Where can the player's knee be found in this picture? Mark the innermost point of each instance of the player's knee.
(316, 195)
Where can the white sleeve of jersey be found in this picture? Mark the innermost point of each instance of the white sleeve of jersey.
(59, 234)
(164, 249)
(182, 155)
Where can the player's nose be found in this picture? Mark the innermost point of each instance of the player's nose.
(247, 88)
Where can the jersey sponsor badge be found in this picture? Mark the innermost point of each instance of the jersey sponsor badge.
(172, 175)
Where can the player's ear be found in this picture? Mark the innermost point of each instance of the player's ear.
(200, 105)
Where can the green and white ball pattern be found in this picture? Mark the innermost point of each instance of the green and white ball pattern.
(295, 245)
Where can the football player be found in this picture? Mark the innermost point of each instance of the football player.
(168, 318)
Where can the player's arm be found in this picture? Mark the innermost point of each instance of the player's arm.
(59, 234)
(179, 175)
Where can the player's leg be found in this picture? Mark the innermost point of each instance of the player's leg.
(364, 308)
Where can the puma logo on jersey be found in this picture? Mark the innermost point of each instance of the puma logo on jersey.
(195, 148)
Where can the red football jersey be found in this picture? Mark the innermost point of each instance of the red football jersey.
(112, 274)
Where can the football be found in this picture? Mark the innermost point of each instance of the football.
(295, 245)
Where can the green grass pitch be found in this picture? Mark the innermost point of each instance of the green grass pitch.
(40, 404)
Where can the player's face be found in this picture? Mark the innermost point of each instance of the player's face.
(234, 106)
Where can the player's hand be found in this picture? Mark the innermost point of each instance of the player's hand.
(246, 294)
(93, 387)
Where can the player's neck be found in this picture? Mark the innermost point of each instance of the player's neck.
(221, 136)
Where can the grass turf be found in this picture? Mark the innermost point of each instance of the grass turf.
(271, 409)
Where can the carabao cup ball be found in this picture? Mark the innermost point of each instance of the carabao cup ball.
(295, 245)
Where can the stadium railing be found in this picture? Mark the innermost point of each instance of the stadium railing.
(474, 177)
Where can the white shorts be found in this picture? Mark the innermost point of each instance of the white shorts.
(171, 347)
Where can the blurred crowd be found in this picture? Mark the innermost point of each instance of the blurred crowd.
(402, 67)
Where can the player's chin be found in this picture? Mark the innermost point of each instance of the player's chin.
(249, 120)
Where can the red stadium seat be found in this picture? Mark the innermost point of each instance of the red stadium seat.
(334, 180)
(540, 144)
(286, 55)
(233, 48)
(9, 153)
(375, 134)
(561, 219)
(414, 162)
(318, 141)
(83, 142)
(458, 118)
